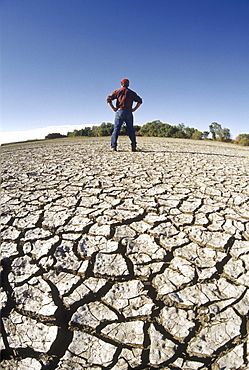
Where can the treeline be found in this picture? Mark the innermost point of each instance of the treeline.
(160, 129)
(105, 129)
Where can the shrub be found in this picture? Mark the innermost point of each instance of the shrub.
(197, 135)
(243, 139)
(54, 135)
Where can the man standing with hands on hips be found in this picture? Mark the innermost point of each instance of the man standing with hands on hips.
(124, 101)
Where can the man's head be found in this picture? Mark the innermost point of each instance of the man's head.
(125, 82)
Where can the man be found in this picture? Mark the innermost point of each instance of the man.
(124, 101)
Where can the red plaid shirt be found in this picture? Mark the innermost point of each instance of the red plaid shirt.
(125, 98)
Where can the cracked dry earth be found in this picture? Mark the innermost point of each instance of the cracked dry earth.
(125, 260)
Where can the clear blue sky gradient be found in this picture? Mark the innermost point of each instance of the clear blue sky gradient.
(187, 59)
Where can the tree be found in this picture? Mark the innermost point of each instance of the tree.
(189, 131)
(243, 139)
(205, 134)
(137, 128)
(105, 129)
(55, 135)
(151, 128)
(215, 129)
(170, 130)
(225, 135)
(70, 134)
(87, 131)
(180, 134)
(157, 128)
(95, 131)
(197, 135)
(219, 133)
(73, 133)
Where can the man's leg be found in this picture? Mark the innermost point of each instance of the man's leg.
(117, 126)
(130, 129)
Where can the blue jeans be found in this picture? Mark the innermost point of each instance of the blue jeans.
(121, 116)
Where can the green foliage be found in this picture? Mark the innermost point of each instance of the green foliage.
(219, 133)
(151, 128)
(197, 135)
(105, 129)
(54, 135)
(137, 128)
(225, 135)
(154, 128)
(243, 139)
(157, 128)
(215, 129)
(205, 134)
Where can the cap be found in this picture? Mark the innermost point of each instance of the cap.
(125, 82)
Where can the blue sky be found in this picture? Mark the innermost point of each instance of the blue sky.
(187, 59)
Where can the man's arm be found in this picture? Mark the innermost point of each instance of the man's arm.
(136, 107)
(109, 99)
(112, 106)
